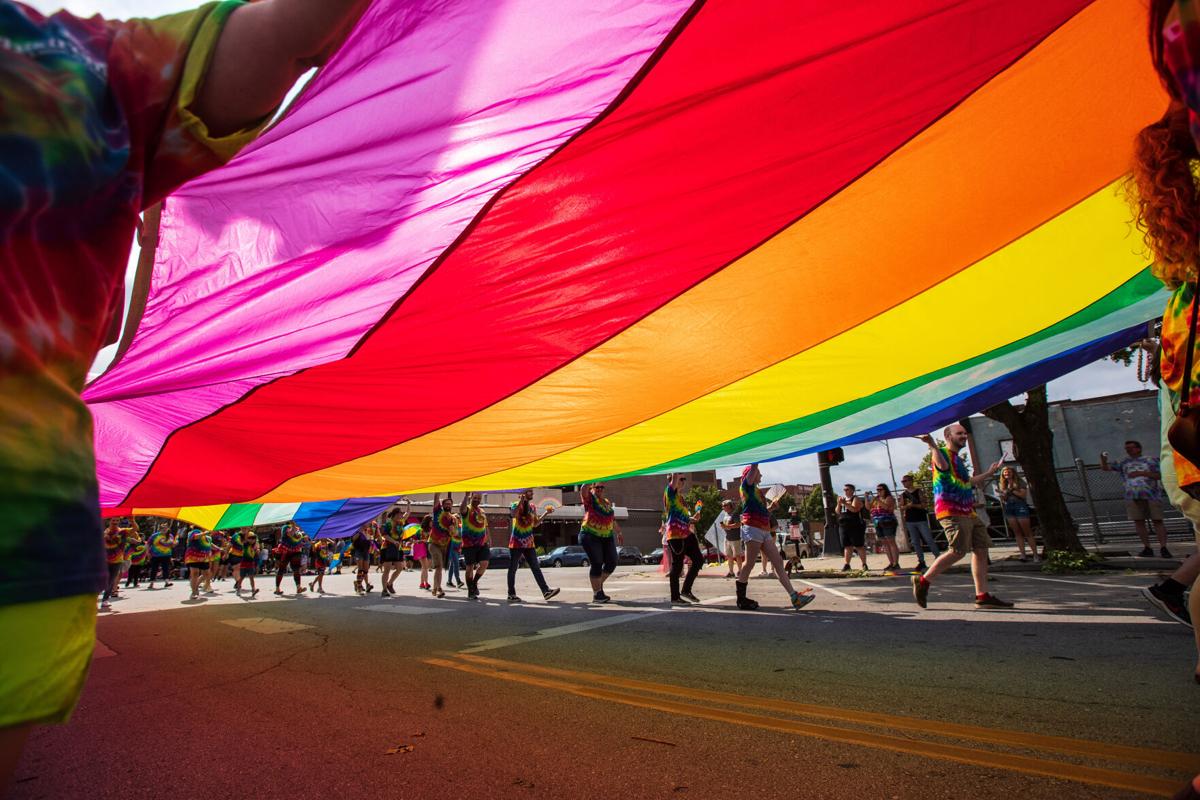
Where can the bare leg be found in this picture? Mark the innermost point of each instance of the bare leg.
(752, 551)
(848, 553)
(979, 571)
(772, 554)
(862, 555)
(1139, 525)
(1161, 530)
(945, 561)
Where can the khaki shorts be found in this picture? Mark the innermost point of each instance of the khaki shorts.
(54, 639)
(734, 548)
(966, 534)
(1144, 509)
(438, 555)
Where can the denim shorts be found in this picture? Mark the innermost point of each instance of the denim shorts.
(755, 535)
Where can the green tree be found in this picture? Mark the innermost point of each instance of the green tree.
(711, 497)
(813, 507)
(1034, 444)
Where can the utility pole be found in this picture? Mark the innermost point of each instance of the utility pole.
(832, 538)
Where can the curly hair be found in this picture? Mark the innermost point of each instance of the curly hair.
(1163, 181)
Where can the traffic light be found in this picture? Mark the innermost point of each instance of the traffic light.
(832, 457)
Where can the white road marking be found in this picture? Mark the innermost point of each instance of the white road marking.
(265, 625)
(834, 592)
(562, 630)
(389, 608)
(1064, 580)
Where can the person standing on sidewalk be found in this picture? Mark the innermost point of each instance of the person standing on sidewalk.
(954, 505)
(525, 520)
(731, 526)
(757, 536)
(916, 521)
(1014, 495)
(851, 526)
(883, 517)
(597, 536)
(1143, 494)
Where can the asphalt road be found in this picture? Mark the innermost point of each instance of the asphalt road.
(1081, 691)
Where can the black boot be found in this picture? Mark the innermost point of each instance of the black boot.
(675, 590)
(472, 588)
(743, 602)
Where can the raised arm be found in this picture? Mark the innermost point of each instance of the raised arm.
(462, 507)
(939, 460)
(264, 47)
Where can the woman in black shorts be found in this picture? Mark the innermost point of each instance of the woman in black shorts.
(851, 526)
(392, 554)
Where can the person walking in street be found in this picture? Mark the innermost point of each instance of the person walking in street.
(680, 538)
(916, 521)
(851, 526)
(114, 554)
(392, 553)
(1014, 496)
(521, 545)
(477, 542)
(360, 544)
(757, 537)
(291, 546)
(597, 537)
(453, 553)
(954, 505)
(162, 544)
(198, 558)
(443, 525)
(139, 557)
(250, 551)
(731, 526)
(1143, 494)
(318, 555)
(883, 517)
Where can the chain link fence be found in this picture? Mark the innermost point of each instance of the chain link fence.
(1096, 500)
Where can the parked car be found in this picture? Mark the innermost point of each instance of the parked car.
(629, 555)
(568, 556)
(499, 557)
(654, 557)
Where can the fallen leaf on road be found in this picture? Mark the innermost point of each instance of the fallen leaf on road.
(656, 741)
(400, 748)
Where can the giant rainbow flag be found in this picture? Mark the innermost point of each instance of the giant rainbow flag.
(527, 242)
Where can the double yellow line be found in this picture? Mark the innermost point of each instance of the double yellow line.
(782, 716)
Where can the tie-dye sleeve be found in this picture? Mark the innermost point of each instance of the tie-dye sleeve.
(156, 68)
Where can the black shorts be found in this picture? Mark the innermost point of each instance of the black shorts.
(199, 567)
(390, 553)
(476, 554)
(362, 555)
(854, 532)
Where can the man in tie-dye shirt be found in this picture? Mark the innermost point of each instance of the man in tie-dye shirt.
(954, 506)
(99, 119)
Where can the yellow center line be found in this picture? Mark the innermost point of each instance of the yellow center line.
(924, 749)
(1186, 762)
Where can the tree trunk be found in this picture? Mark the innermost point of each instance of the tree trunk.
(1034, 443)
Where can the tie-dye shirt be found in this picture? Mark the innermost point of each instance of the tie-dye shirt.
(598, 516)
(953, 494)
(1181, 53)
(114, 545)
(292, 540)
(754, 507)
(443, 527)
(139, 554)
(391, 533)
(320, 552)
(524, 520)
(235, 546)
(161, 544)
(677, 522)
(95, 126)
(199, 549)
(475, 527)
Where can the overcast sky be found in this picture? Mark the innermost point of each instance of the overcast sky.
(865, 465)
